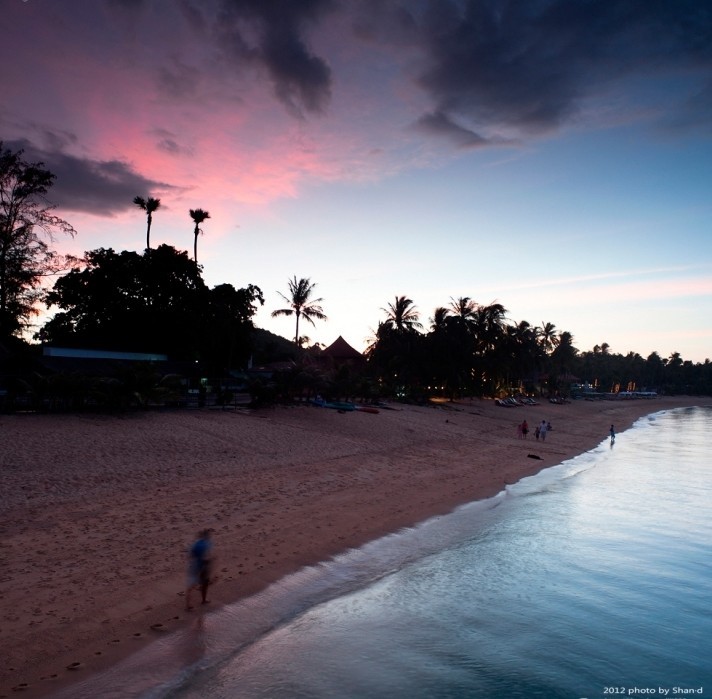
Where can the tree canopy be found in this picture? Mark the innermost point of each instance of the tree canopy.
(154, 302)
(301, 304)
(198, 216)
(27, 226)
(150, 206)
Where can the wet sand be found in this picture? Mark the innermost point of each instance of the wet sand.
(97, 512)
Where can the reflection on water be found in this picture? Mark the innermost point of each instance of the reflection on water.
(593, 574)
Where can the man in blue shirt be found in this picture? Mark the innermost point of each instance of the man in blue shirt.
(199, 561)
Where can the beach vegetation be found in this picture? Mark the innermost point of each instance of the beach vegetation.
(28, 226)
(157, 303)
(198, 216)
(301, 304)
(473, 349)
(150, 206)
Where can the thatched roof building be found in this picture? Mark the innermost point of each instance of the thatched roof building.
(341, 351)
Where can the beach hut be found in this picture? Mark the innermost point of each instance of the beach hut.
(341, 352)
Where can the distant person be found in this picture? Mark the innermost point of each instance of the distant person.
(548, 426)
(537, 432)
(612, 432)
(199, 564)
(542, 430)
(525, 429)
(520, 429)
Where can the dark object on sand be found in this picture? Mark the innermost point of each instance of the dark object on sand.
(534, 456)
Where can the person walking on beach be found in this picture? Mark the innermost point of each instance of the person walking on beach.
(525, 429)
(542, 430)
(612, 432)
(537, 432)
(199, 564)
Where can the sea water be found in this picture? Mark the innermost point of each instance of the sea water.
(592, 579)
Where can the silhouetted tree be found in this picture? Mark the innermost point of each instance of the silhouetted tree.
(27, 225)
(399, 352)
(156, 303)
(491, 358)
(473, 348)
(228, 326)
(301, 304)
(563, 358)
(402, 315)
(130, 302)
(149, 205)
(547, 337)
(198, 216)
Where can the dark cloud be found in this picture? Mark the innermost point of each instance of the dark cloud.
(532, 66)
(168, 143)
(441, 124)
(178, 80)
(271, 34)
(57, 140)
(128, 4)
(100, 187)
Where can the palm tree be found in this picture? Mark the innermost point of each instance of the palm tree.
(489, 324)
(198, 216)
(464, 309)
(565, 353)
(439, 319)
(149, 205)
(547, 337)
(402, 315)
(300, 304)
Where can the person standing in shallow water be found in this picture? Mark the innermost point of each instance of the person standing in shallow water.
(199, 564)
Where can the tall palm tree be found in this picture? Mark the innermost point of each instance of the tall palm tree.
(149, 205)
(489, 322)
(464, 309)
(300, 304)
(198, 216)
(565, 353)
(402, 315)
(548, 337)
(439, 319)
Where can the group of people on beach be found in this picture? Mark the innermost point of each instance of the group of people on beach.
(540, 432)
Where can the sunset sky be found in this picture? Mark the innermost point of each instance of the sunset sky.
(554, 156)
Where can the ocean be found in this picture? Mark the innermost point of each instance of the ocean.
(591, 579)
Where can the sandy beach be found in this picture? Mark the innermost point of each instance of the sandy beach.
(97, 511)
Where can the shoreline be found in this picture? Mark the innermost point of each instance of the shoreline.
(97, 511)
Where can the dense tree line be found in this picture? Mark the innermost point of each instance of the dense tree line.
(157, 301)
(473, 349)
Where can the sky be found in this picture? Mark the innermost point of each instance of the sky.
(554, 156)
